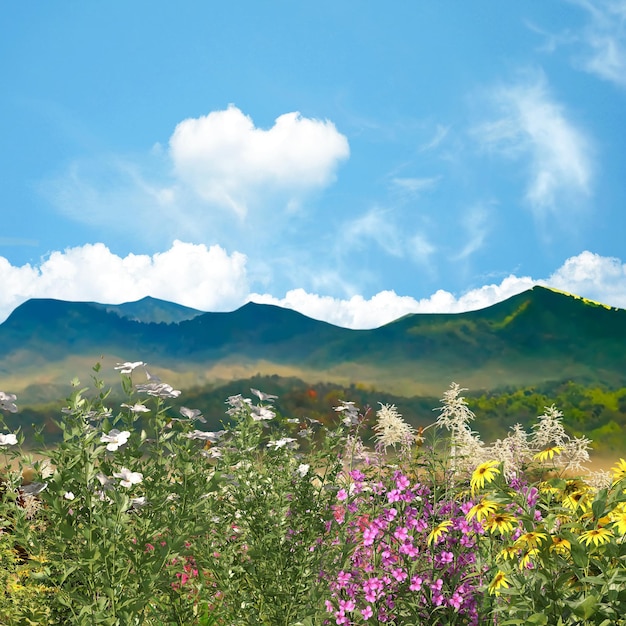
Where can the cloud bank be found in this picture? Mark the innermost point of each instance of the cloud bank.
(211, 279)
(208, 279)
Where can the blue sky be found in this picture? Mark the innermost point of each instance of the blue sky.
(352, 161)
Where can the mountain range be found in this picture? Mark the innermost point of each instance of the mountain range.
(537, 336)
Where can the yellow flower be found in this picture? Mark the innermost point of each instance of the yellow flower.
(510, 552)
(438, 530)
(525, 561)
(547, 454)
(532, 539)
(499, 580)
(576, 495)
(501, 522)
(560, 545)
(546, 487)
(619, 522)
(598, 536)
(481, 510)
(484, 473)
(619, 471)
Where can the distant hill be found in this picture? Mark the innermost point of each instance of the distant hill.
(540, 338)
(536, 336)
(151, 310)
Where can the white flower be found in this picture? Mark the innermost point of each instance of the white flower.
(263, 396)
(128, 367)
(68, 495)
(279, 443)
(211, 453)
(213, 437)
(138, 503)
(391, 429)
(7, 402)
(137, 408)
(350, 411)
(261, 413)
(104, 480)
(8, 440)
(192, 414)
(34, 488)
(303, 469)
(159, 390)
(128, 478)
(115, 439)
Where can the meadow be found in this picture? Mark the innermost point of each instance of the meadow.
(140, 515)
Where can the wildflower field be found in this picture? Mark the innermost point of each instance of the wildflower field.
(140, 516)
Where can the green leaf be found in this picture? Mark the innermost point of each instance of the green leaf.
(599, 504)
(537, 618)
(586, 607)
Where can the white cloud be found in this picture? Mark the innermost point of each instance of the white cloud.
(204, 278)
(213, 167)
(226, 160)
(531, 124)
(603, 50)
(593, 276)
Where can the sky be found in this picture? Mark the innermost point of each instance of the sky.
(350, 160)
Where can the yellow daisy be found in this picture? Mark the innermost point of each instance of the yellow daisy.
(619, 522)
(547, 454)
(438, 530)
(574, 499)
(619, 471)
(560, 545)
(510, 552)
(484, 473)
(527, 557)
(531, 539)
(499, 581)
(481, 510)
(501, 522)
(598, 536)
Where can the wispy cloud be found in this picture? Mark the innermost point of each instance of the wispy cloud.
(376, 225)
(603, 50)
(380, 226)
(441, 132)
(476, 225)
(414, 186)
(529, 124)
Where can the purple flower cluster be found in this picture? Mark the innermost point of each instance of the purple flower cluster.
(404, 555)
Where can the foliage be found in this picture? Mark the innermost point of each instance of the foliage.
(142, 515)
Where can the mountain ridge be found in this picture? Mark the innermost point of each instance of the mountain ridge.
(540, 334)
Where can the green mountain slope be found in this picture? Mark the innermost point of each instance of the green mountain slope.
(535, 337)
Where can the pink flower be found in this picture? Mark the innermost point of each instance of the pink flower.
(416, 583)
(342, 495)
(367, 612)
